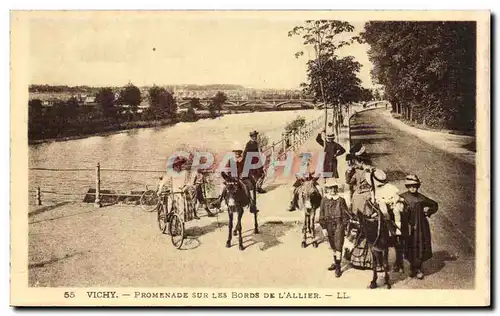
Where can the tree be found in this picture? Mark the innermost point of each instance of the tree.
(190, 115)
(195, 104)
(322, 36)
(35, 117)
(162, 103)
(340, 82)
(106, 100)
(130, 95)
(218, 100)
(414, 61)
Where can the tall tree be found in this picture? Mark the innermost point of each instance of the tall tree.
(162, 103)
(323, 36)
(414, 61)
(106, 100)
(130, 95)
(218, 100)
(195, 104)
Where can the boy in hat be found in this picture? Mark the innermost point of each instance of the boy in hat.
(258, 174)
(332, 151)
(418, 207)
(333, 217)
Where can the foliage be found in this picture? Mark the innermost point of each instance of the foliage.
(295, 125)
(195, 104)
(106, 100)
(130, 95)
(162, 103)
(426, 64)
(331, 79)
(190, 115)
(218, 100)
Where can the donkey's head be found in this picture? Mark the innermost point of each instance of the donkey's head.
(309, 197)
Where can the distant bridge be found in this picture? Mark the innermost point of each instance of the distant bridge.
(276, 103)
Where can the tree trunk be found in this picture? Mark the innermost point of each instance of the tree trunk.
(410, 112)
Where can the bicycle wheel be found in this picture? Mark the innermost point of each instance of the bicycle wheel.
(149, 200)
(162, 218)
(176, 228)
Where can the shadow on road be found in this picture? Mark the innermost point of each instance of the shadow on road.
(437, 262)
(47, 208)
(270, 234)
(395, 175)
(197, 231)
(54, 260)
(272, 187)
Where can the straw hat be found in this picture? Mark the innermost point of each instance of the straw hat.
(237, 148)
(331, 182)
(361, 151)
(412, 179)
(379, 177)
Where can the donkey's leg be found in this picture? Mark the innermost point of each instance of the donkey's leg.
(255, 224)
(238, 227)
(373, 283)
(315, 242)
(386, 268)
(230, 227)
(304, 230)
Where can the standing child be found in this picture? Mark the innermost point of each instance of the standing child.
(419, 208)
(332, 217)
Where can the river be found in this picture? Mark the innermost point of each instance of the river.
(146, 149)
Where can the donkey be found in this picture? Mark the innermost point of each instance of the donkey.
(376, 231)
(237, 196)
(309, 200)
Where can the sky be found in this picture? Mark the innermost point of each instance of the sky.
(161, 49)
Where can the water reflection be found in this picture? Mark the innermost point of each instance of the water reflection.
(146, 148)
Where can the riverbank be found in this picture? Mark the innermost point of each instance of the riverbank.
(128, 126)
(117, 128)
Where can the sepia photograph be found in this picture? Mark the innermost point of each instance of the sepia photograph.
(250, 158)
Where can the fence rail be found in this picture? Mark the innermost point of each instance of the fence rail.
(290, 141)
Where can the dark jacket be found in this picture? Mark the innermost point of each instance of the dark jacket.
(331, 209)
(332, 151)
(419, 246)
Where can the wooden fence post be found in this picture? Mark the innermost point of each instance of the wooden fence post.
(97, 202)
(38, 196)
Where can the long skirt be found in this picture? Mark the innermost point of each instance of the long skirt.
(361, 256)
(358, 201)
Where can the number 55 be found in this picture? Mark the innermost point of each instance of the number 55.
(69, 294)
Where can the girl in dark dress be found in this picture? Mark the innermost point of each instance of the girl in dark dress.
(418, 208)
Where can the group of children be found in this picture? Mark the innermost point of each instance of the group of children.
(406, 213)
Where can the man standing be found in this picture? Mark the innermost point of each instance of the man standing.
(332, 151)
(257, 174)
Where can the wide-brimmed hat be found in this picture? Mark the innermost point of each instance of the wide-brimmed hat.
(412, 179)
(331, 182)
(254, 133)
(361, 151)
(355, 148)
(350, 157)
(379, 177)
(330, 135)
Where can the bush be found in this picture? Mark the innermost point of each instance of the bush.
(296, 124)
